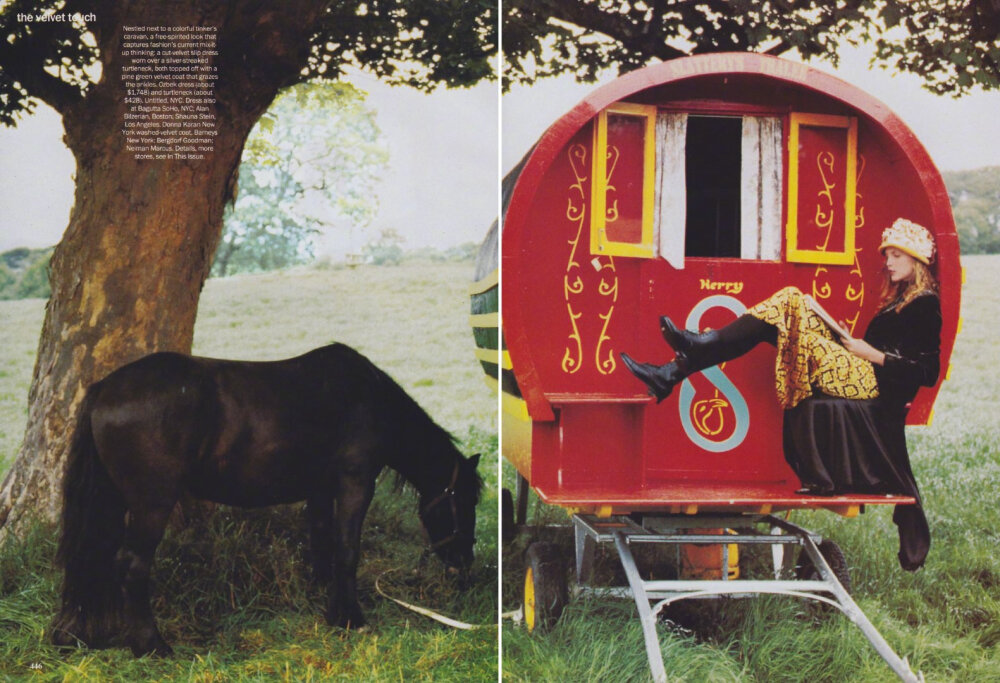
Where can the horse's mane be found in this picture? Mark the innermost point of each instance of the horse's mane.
(425, 430)
(414, 428)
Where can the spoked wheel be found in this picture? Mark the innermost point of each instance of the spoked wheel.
(834, 556)
(545, 590)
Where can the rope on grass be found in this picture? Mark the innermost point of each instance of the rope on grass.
(447, 621)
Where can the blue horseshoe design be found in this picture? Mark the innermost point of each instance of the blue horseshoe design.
(718, 378)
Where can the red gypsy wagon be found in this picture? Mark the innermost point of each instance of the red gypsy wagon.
(693, 188)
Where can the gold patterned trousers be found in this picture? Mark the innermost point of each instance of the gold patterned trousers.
(809, 357)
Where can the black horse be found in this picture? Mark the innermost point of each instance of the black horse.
(318, 428)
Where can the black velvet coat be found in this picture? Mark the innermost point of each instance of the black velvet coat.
(860, 446)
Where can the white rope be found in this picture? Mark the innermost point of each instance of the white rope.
(517, 615)
(447, 621)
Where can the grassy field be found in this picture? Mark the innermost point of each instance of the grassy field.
(233, 594)
(945, 618)
(235, 600)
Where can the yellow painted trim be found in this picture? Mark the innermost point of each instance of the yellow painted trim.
(930, 418)
(516, 439)
(511, 405)
(599, 243)
(488, 355)
(849, 511)
(484, 320)
(837, 258)
(486, 284)
(963, 275)
(495, 356)
(514, 406)
(492, 383)
(598, 184)
(958, 329)
(947, 374)
(604, 511)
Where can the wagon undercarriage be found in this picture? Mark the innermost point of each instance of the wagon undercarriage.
(652, 596)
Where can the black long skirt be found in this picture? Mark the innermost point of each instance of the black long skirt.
(858, 446)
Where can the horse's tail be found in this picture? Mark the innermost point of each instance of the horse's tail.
(93, 528)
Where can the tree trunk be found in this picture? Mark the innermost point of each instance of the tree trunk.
(128, 274)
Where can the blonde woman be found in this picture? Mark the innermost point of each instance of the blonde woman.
(845, 398)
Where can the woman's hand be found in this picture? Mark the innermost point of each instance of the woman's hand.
(862, 349)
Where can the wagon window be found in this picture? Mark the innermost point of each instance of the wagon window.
(718, 187)
(713, 186)
(622, 188)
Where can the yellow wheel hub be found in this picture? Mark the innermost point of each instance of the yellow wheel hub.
(529, 600)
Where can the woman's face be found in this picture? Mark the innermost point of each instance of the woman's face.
(899, 264)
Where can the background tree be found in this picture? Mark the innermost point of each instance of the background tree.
(386, 249)
(128, 273)
(975, 199)
(954, 46)
(313, 158)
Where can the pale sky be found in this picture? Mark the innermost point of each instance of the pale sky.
(440, 189)
(445, 150)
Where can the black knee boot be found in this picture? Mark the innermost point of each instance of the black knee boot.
(697, 351)
(660, 379)
(706, 349)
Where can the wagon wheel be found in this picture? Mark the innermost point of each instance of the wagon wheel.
(834, 556)
(545, 590)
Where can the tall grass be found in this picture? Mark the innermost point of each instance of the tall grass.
(945, 618)
(233, 593)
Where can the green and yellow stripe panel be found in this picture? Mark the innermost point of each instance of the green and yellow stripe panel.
(484, 318)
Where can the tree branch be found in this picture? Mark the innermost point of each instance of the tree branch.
(24, 63)
(590, 18)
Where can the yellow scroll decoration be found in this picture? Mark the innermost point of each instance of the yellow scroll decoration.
(572, 359)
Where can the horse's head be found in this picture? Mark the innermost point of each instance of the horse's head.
(450, 515)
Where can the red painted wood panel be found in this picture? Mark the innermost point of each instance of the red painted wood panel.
(568, 314)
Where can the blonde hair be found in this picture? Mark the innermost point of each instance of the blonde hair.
(896, 295)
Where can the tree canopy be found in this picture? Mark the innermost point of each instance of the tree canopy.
(420, 43)
(954, 46)
(313, 158)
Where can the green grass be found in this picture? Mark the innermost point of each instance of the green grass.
(232, 593)
(20, 324)
(234, 598)
(945, 618)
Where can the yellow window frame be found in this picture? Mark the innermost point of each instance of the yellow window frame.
(793, 253)
(599, 242)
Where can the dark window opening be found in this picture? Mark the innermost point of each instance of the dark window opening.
(713, 186)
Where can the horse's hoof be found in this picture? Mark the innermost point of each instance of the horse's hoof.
(352, 620)
(61, 638)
